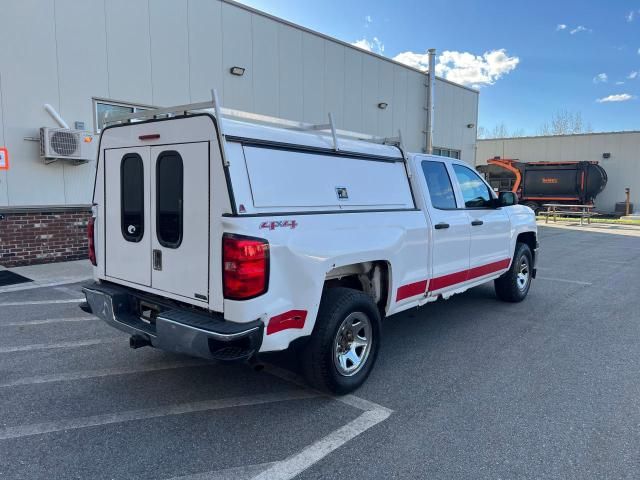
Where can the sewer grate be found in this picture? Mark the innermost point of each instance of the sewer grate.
(7, 277)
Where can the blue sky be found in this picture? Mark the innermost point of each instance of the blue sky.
(543, 56)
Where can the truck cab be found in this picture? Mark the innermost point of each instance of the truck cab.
(224, 235)
(473, 232)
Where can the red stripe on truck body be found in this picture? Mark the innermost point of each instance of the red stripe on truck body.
(438, 283)
(445, 281)
(411, 290)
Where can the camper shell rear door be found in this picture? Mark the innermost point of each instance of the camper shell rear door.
(155, 208)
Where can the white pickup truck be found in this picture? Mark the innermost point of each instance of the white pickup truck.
(223, 238)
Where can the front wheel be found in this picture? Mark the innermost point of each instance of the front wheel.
(514, 284)
(344, 344)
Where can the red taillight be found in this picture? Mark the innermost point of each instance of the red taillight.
(245, 266)
(90, 237)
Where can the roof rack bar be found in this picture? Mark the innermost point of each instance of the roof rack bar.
(218, 109)
(221, 113)
(333, 132)
(156, 112)
(221, 135)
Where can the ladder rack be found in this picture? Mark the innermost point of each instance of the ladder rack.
(228, 113)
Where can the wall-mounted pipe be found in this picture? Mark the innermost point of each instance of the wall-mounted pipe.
(430, 99)
(55, 115)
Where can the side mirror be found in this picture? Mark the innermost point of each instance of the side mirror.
(507, 199)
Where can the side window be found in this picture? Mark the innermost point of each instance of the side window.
(474, 190)
(106, 111)
(439, 184)
(169, 191)
(132, 197)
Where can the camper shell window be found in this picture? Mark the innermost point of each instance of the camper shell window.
(132, 197)
(169, 198)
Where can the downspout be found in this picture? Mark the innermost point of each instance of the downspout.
(430, 99)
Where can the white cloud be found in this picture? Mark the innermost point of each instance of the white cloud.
(580, 28)
(633, 75)
(621, 97)
(374, 45)
(639, 51)
(620, 82)
(464, 67)
(630, 16)
(601, 78)
(561, 26)
(368, 19)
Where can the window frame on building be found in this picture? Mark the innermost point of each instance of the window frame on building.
(447, 152)
(134, 107)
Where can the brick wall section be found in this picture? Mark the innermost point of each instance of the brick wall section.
(30, 237)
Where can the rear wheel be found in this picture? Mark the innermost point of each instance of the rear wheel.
(514, 284)
(344, 344)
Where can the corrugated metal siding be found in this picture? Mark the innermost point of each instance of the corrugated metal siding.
(169, 34)
(128, 50)
(29, 79)
(165, 52)
(77, 82)
(205, 48)
(623, 168)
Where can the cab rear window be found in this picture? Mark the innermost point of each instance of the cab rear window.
(439, 185)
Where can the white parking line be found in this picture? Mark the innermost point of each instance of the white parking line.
(563, 280)
(146, 413)
(19, 288)
(245, 472)
(48, 346)
(67, 290)
(107, 372)
(315, 452)
(48, 320)
(41, 302)
(292, 466)
(296, 464)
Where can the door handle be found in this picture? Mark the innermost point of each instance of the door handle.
(441, 225)
(157, 260)
(476, 223)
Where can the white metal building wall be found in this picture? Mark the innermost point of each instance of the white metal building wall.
(168, 52)
(622, 167)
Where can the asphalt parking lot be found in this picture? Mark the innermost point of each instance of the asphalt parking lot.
(465, 388)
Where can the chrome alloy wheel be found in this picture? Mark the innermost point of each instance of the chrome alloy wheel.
(352, 344)
(522, 277)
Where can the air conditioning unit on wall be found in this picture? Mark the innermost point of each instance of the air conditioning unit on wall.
(76, 146)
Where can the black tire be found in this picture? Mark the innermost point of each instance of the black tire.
(317, 356)
(509, 288)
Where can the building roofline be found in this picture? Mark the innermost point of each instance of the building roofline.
(617, 132)
(341, 42)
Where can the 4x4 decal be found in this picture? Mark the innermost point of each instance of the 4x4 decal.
(279, 224)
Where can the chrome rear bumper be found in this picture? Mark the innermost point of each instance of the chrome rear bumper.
(179, 330)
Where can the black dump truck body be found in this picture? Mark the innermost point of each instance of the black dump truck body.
(537, 183)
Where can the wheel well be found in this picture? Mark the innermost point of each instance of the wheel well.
(368, 277)
(528, 238)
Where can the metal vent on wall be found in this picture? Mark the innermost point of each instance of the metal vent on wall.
(64, 143)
